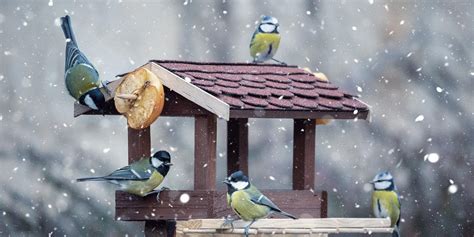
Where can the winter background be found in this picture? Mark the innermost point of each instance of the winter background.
(412, 61)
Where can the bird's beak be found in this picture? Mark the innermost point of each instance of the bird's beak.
(169, 164)
(372, 182)
(226, 181)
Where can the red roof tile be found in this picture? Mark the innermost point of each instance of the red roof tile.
(267, 86)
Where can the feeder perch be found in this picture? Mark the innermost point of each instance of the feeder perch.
(284, 227)
(234, 92)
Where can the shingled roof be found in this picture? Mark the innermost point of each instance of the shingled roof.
(275, 89)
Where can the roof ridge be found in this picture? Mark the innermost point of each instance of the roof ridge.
(224, 63)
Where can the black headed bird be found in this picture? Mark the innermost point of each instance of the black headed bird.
(82, 79)
(247, 201)
(141, 177)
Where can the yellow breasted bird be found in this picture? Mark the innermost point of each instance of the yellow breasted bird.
(82, 79)
(385, 201)
(265, 40)
(140, 177)
(247, 201)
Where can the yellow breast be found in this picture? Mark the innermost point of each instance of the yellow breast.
(141, 188)
(261, 44)
(386, 204)
(245, 208)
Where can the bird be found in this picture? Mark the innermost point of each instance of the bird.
(265, 40)
(385, 200)
(247, 201)
(141, 177)
(82, 79)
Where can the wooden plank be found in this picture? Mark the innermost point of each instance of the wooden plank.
(239, 233)
(296, 114)
(205, 139)
(191, 92)
(208, 204)
(160, 228)
(324, 204)
(138, 144)
(302, 223)
(178, 106)
(304, 135)
(237, 145)
(129, 207)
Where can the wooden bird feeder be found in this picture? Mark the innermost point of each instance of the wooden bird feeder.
(234, 92)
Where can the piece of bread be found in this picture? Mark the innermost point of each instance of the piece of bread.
(140, 98)
(323, 77)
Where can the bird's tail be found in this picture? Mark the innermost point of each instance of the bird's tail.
(91, 179)
(287, 215)
(67, 29)
(396, 231)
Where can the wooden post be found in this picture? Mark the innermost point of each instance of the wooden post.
(205, 138)
(237, 145)
(304, 133)
(139, 145)
(160, 228)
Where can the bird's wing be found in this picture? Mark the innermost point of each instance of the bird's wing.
(398, 204)
(74, 56)
(253, 38)
(128, 173)
(258, 198)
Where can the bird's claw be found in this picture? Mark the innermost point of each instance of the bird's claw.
(228, 221)
(246, 231)
(157, 192)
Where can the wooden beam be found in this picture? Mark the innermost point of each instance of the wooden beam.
(139, 144)
(303, 223)
(297, 114)
(304, 135)
(160, 228)
(284, 227)
(190, 91)
(237, 145)
(208, 204)
(205, 139)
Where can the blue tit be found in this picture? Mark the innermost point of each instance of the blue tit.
(265, 40)
(247, 201)
(385, 201)
(140, 177)
(82, 79)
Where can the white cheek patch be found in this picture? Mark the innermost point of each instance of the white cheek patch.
(155, 162)
(239, 185)
(267, 28)
(89, 102)
(382, 185)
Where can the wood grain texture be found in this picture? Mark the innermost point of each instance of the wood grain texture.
(285, 227)
(237, 145)
(303, 223)
(304, 136)
(190, 91)
(160, 228)
(139, 144)
(205, 139)
(209, 204)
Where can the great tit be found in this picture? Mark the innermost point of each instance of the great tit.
(385, 201)
(265, 40)
(82, 79)
(141, 177)
(247, 201)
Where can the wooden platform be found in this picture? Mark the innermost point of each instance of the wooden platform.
(284, 227)
(212, 204)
